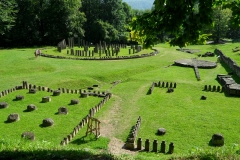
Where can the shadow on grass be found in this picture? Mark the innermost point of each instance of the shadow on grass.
(53, 154)
(229, 70)
(149, 91)
(84, 139)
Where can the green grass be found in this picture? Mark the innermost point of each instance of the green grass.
(189, 122)
(31, 121)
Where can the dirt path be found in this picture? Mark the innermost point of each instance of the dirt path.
(108, 129)
(110, 122)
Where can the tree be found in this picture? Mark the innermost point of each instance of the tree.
(7, 16)
(221, 24)
(110, 13)
(45, 22)
(184, 19)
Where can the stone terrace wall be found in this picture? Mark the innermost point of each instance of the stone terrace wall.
(231, 63)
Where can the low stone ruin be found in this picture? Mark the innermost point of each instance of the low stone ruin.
(31, 107)
(236, 49)
(74, 101)
(28, 135)
(217, 140)
(32, 90)
(229, 85)
(161, 131)
(13, 117)
(46, 99)
(84, 95)
(19, 97)
(170, 90)
(203, 97)
(208, 54)
(188, 50)
(47, 122)
(62, 110)
(195, 62)
(3, 105)
(56, 92)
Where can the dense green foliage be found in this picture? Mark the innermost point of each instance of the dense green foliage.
(182, 19)
(7, 16)
(106, 20)
(44, 22)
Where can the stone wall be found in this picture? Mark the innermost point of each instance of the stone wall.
(229, 62)
(130, 144)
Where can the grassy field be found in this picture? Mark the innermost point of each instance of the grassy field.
(189, 121)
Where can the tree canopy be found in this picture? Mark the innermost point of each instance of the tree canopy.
(7, 16)
(184, 19)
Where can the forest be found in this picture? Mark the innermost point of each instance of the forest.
(46, 22)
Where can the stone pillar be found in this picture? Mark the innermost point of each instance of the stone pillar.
(139, 144)
(171, 148)
(205, 88)
(147, 145)
(163, 147)
(175, 85)
(155, 145)
(218, 88)
(159, 83)
(209, 87)
(214, 88)
(163, 84)
(63, 143)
